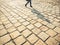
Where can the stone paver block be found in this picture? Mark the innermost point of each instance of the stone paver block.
(11, 29)
(55, 19)
(36, 30)
(57, 37)
(56, 23)
(21, 28)
(19, 40)
(50, 26)
(44, 22)
(38, 24)
(40, 42)
(32, 38)
(2, 32)
(51, 17)
(22, 20)
(43, 36)
(11, 19)
(4, 39)
(6, 22)
(17, 19)
(1, 26)
(10, 43)
(52, 41)
(44, 28)
(17, 24)
(51, 32)
(26, 33)
(30, 26)
(34, 17)
(14, 34)
(0, 22)
(25, 16)
(8, 25)
(57, 29)
(25, 23)
(39, 20)
(4, 19)
(32, 21)
(14, 21)
(28, 19)
(27, 43)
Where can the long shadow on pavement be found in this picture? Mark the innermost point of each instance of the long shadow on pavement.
(39, 15)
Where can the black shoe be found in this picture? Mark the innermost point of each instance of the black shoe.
(25, 6)
(30, 6)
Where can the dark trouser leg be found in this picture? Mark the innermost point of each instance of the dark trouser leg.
(26, 3)
(30, 4)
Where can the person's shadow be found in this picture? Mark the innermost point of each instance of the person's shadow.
(39, 15)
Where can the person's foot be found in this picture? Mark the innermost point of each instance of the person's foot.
(30, 6)
(25, 6)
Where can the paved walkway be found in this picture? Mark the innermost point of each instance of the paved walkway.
(19, 25)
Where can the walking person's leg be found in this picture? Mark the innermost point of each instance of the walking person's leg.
(30, 3)
(26, 3)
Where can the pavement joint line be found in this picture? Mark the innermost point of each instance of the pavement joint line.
(35, 41)
(10, 36)
(23, 18)
(14, 8)
(23, 42)
(4, 35)
(5, 6)
(26, 39)
(29, 35)
(36, 35)
(8, 19)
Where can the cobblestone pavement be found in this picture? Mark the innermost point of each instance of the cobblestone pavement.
(20, 25)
